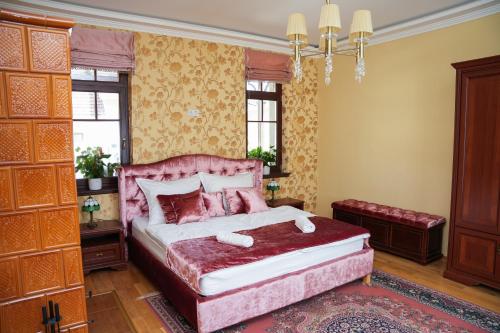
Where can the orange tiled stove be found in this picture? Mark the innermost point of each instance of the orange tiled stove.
(40, 255)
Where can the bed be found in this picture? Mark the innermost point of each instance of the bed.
(232, 294)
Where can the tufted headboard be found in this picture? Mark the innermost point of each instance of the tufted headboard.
(132, 200)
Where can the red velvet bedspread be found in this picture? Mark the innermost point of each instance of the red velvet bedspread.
(192, 258)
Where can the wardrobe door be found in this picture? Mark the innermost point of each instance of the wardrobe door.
(479, 152)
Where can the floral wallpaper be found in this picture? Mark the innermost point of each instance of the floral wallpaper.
(174, 75)
(109, 207)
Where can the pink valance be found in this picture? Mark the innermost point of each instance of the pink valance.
(92, 48)
(267, 66)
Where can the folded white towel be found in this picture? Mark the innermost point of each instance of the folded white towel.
(304, 224)
(234, 239)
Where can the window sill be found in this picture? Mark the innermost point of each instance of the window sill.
(277, 174)
(109, 185)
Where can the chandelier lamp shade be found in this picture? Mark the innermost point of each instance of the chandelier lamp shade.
(329, 26)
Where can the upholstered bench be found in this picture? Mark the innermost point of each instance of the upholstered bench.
(406, 233)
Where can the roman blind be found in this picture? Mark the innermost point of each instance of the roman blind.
(102, 49)
(267, 66)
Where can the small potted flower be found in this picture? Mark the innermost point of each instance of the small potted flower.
(91, 164)
(268, 157)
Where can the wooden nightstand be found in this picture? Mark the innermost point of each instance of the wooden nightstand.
(286, 202)
(103, 246)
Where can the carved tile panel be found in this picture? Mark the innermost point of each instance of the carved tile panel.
(61, 87)
(67, 184)
(6, 191)
(23, 316)
(73, 269)
(19, 233)
(28, 95)
(53, 141)
(16, 142)
(35, 186)
(3, 99)
(59, 227)
(71, 304)
(42, 271)
(9, 278)
(12, 47)
(49, 51)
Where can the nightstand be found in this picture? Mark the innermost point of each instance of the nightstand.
(103, 246)
(286, 202)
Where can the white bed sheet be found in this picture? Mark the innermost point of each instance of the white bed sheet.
(156, 237)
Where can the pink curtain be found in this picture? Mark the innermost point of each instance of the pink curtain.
(92, 48)
(267, 66)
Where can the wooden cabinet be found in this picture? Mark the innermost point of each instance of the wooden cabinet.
(40, 255)
(474, 242)
(103, 246)
(299, 204)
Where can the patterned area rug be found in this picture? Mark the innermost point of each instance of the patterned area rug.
(391, 305)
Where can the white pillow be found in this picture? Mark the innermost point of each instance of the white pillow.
(215, 183)
(152, 188)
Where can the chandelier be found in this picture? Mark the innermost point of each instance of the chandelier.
(329, 25)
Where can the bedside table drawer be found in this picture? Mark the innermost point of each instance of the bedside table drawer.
(101, 254)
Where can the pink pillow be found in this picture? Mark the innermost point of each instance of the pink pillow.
(213, 204)
(183, 208)
(253, 200)
(234, 203)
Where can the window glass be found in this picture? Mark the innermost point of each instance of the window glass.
(269, 110)
(253, 135)
(253, 85)
(82, 74)
(83, 105)
(104, 134)
(267, 135)
(268, 86)
(108, 105)
(107, 76)
(254, 110)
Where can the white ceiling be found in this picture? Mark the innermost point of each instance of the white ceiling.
(269, 17)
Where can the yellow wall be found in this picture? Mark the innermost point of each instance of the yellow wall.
(174, 75)
(390, 139)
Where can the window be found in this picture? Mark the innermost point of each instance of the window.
(100, 118)
(263, 101)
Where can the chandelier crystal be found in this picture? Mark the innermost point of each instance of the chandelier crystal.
(329, 26)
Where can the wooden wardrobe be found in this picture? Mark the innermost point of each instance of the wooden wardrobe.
(40, 256)
(474, 240)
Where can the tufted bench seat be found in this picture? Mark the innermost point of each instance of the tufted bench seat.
(410, 234)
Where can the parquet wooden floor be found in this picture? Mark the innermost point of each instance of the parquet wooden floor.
(131, 286)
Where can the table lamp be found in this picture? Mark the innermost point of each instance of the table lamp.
(90, 205)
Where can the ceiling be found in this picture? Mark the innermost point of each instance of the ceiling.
(269, 17)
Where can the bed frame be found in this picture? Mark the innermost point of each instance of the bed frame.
(210, 313)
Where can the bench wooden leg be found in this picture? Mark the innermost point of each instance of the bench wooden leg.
(367, 280)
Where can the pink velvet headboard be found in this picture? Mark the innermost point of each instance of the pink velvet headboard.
(132, 200)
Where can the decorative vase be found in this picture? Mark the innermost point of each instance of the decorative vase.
(267, 170)
(95, 184)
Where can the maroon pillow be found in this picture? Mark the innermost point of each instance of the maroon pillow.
(253, 200)
(213, 204)
(234, 203)
(183, 208)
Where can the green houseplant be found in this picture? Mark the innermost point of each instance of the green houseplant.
(268, 157)
(91, 164)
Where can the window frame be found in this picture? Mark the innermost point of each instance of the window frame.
(109, 184)
(277, 96)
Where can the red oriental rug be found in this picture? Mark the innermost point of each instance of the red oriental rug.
(391, 305)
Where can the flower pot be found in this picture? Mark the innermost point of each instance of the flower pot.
(267, 170)
(95, 184)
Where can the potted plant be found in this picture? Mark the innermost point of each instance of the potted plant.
(91, 164)
(268, 157)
